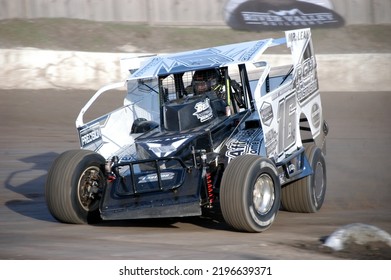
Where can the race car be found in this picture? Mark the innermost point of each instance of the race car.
(216, 129)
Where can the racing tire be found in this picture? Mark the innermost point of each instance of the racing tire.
(307, 195)
(74, 186)
(250, 193)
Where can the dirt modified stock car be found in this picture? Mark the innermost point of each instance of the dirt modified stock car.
(216, 128)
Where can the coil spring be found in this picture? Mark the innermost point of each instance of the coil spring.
(209, 185)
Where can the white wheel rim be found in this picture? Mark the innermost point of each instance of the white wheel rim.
(263, 194)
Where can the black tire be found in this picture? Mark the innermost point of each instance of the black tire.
(74, 185)
(307, 195)
(250, 193)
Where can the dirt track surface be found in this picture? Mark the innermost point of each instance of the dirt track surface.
(38, 125)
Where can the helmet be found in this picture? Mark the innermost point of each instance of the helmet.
(205, 80)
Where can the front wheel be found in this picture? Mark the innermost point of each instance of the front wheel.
(74, 186)
(250, 193)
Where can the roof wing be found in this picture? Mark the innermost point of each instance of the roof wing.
(204, 58)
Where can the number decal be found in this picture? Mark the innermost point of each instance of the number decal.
(287, 120)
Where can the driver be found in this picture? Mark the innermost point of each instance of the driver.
(209, 80)
(210, 83)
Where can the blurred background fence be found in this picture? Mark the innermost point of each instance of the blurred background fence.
(171, 12)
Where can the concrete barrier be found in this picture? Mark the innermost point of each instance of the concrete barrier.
(171, 12)
(355, 72)
(40, 69)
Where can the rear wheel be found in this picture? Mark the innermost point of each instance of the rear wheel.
(250, 193)
(307, 195)
(74, 186)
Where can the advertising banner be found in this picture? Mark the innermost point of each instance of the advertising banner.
(258, 15)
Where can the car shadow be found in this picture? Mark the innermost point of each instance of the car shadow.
(30, 184)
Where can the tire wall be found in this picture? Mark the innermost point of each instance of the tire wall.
(171, 12)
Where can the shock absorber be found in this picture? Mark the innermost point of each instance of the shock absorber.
(208, 178)
(209, 186)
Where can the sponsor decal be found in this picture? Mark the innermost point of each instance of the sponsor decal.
(297, 35)
(153, 177)
(305, 80)
(203, 110)
(245, 142)
(271, 139)
(255, 15)
(315, 115)
(266, 113)
(90, 135)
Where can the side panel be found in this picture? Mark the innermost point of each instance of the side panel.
(113, 132)
(109, 133)
(278, 113)
(306, 81)
(281, 108)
